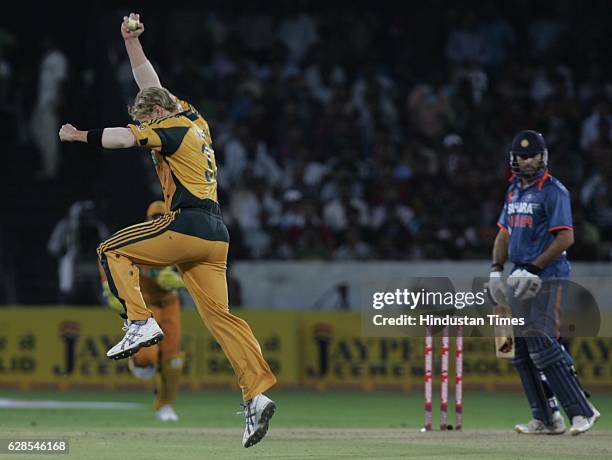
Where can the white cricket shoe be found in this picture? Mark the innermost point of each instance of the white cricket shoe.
(536, 426)
(257, 413)
(596, 413)
(166, 414)
(143, 333)
(582, 424)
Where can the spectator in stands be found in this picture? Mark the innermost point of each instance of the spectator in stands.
(298, 32)
(428, 109)
(245, 152)
(498, 32)
(354, 247)
(256, 210)
(45, 118)
(596, 127)
(595, 195)
(6, 76)
(467, 44)
(336, 212)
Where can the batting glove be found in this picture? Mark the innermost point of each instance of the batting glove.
(112, 301)
(496, 288)
(525, 282)
(168, 279)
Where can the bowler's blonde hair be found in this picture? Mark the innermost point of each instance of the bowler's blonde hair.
(148, 98)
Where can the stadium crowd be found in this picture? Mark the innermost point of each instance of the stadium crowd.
(341, 133)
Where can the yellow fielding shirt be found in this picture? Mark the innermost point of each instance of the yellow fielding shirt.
(184, 159)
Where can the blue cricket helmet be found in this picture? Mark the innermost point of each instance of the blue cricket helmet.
(528, 143)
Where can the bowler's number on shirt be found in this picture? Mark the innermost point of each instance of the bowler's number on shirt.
(211, 170)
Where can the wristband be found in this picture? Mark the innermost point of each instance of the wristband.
(533, 269)
(94, 136)
(497, 267)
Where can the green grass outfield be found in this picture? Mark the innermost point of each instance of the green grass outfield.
(307, 425)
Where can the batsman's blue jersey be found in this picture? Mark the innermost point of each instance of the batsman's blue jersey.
(531, 215)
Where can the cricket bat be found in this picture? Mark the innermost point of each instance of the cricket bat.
(504, 335)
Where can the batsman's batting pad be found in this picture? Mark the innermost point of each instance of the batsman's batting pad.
(532, 383)
(570, 363)
(170, 373)
(552, 399)
(548, 357)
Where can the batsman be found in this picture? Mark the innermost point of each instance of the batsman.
(535, 231)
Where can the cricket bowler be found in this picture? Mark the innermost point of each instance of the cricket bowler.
(191, 235)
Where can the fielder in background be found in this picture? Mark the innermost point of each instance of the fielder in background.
(535, 231)
(162, 363)
(191, 236)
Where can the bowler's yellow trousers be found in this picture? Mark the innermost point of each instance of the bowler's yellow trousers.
(196, 241)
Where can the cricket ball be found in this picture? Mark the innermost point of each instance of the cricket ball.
(132, 25)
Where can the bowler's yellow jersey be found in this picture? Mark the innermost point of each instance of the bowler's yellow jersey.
(184, 159)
